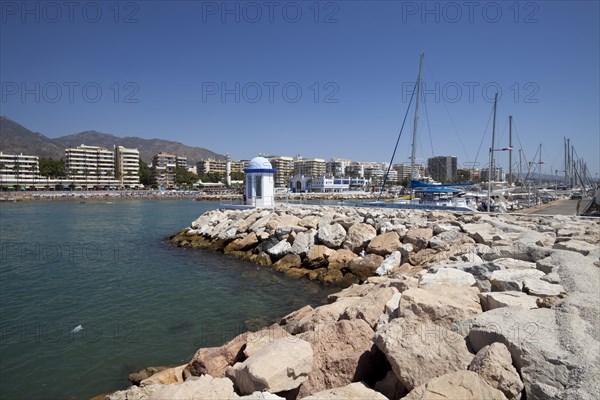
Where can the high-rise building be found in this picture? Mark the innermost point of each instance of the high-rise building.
(164, 165)
(90, 165)
(127, 165)
(218, 166)
(181, 162)
(18, 168)
(314, 167)
(498, 174)
(336, 167)
(442, 168)
(284, 169)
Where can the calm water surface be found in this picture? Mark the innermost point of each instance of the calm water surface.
(140, 301)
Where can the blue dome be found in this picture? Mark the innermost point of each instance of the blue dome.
(259, 163)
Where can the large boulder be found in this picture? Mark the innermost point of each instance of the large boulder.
(511, 279)
(493, 300)
(359, 236)
(353, 391)
(261, 396)
(540, 288)
(280, 249)
(442, 305)
(419, 238)
(303, 242)
(532, 337)
(384, 244)
(331, 235)
(287, 262)
(318, 255)
(448, 239)
(481, 271)
(420, 351)
(340, 259)
(493, 363)
(391, 262)
(364, 267)
(243, 244)
(578, 246)
(371, 306)
(463, 385)
(446, 277)
(257, 340)
(166, 377)
(282, 365)
(327, 314)
(282, 221)
(214, 360)
(343, 352)
(204, 387)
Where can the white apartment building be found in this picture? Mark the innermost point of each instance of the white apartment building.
(19, 169)
(127, 163)
(90, 166)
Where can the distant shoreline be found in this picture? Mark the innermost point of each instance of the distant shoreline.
(167, 195)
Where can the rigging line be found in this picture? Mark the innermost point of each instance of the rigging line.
(396, 146)
(483, 137)
(449, 116)
(429, 129)
(519, 140)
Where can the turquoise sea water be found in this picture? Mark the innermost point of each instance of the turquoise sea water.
(140, 301)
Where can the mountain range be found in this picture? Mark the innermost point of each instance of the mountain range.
(16, 139)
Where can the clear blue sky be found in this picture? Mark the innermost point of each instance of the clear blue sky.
(352, 60)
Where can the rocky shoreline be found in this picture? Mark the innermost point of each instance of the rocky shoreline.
(437, 305)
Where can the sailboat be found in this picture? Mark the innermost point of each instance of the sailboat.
(432, 196)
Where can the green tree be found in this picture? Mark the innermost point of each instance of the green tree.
(183, 177)
(52, 168)
(238, 176)
(146, 173)
(211, 177)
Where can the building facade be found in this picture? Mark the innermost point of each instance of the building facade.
(19, 169)
(90, 165)
(314, 167)
(164, 165)
(336, 167)
(498, 175)
(284, 169)
(127, 165)
(443, 168)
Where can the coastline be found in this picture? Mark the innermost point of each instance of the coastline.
(428, 325)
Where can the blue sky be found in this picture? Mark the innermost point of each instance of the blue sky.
(319, 79)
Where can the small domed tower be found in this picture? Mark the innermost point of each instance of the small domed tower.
(260, 186)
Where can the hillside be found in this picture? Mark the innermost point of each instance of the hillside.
(15, 138)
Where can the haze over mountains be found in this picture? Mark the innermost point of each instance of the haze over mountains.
(15, 139)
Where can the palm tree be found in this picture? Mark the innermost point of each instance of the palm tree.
(17, 168)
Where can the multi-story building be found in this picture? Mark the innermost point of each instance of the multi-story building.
(314, 167)
(284, 169)
(90, 165)
(181, 162)
(19, 169)
(164, 165)
(442, 168)
(498, 175)
(219, 166)
(336, 167)
(127, 166)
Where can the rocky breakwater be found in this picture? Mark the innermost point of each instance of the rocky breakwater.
(515, 316)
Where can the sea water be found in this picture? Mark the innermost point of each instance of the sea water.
(90, 292)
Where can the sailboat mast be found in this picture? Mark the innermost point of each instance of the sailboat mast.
(491, 169)
(415, 124)
(510, 179)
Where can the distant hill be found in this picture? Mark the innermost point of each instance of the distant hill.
(15, 138)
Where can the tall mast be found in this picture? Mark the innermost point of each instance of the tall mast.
(540, 164)
(510, 179)
(520, 167)
(565, 156)
(415, 123)
(491, 168)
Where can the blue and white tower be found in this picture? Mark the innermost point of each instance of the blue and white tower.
(260, 184)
